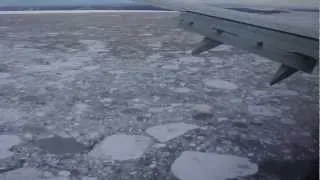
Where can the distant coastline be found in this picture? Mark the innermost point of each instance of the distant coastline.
(131, 7)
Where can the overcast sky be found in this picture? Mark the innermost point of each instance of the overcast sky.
(60, 2)
(76, 2)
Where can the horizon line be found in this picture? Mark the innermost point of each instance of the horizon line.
(80, 11)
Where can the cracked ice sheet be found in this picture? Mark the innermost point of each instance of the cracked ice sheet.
(35, 174)
(24, 173)
(209, 166)
(166, 132)
(98, 85)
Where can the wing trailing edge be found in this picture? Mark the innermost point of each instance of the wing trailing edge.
(295, 53)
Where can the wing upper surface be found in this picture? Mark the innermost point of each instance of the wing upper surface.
(300, 17)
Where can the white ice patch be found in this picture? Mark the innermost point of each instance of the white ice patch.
(202, 108)
(117, 72)
(4, 79)
(192, 69)
(263, 110)
(76, 33)
(9, 115)
(4, 82)
(222, 47)
(89, 178)
(218, 62)
(146, 34)
(90, 68)
(154, 57)
(166, 132)
(209, 166)
(53, 34)
(106, 100)
(220, 84)
(287, 121)
(236, 100)
(181, 90)
(30, 174)
(259, 93)
(6, 142)
(258, 59)
(121, 147)
(155, 45)
(24, 173)
(64, 173)
(222, 119)
(159, 145)
(94, 45)
(171, 67)
(4, 75)
(79, 109)
(67, 68)
(191, 60)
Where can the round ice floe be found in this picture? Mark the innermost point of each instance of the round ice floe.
(209, 166)
(121, 147)
(220, 84)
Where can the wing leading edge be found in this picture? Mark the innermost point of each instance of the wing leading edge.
(287, 33)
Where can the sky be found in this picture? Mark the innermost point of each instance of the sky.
(77, 2)
(60, 2)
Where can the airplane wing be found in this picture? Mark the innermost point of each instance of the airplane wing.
(286, 31)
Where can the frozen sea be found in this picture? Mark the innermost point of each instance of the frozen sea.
(117, 96)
